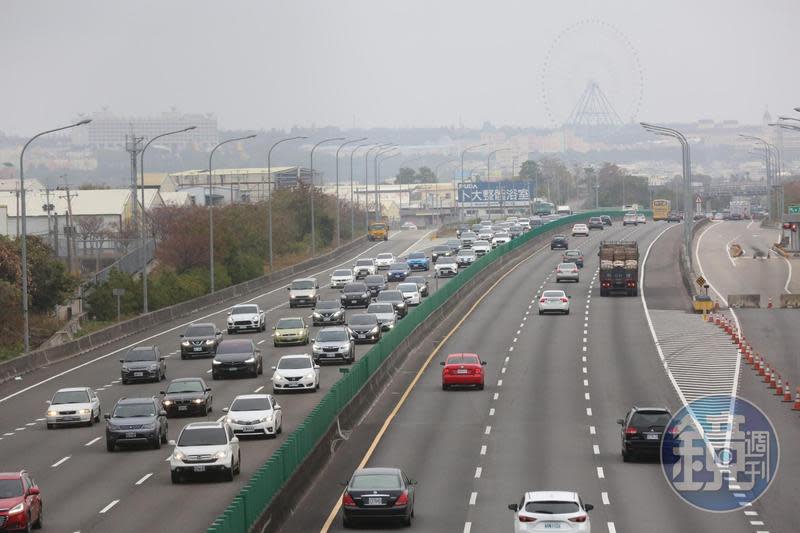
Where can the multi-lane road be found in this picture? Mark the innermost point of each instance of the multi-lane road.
(85, 488)
(547, 418)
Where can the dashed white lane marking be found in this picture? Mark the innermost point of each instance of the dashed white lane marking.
(93, 441)
(60, 461)
(584, 340)
(467, 527)
(507, 358)
(604, 497)
(499, 382)
(488, 430)
(208, 371)
(586, 324)
(585, 382)
(503, 370)
(168, 458)
(108, 507)
(612, 528)
(511, 349)
(483, 449)
(259, 389)
(8, 434)
(595, 449)
(515, 338)
(600, 473)
(588, 411)
(496, 396)
(519, 331)
(756, 523)
(491, 411)
(472, 498)
(144, 478)
(750, 513)
(584, 370)
(19, 429)
(592, 430)
(116, 381)
(478, 471)
(585, 332)
(261, 341)
(30, 424)
(583, 359)
(586, 396)
(584, 348)
(41, 419)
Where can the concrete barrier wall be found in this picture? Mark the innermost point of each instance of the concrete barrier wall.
(744, 301)
(41, 358)
(689, 277)
(790, 301)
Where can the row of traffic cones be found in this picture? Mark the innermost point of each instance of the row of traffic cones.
(762, 368)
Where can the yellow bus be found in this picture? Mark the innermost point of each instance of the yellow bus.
(660, 209)
(378, 231)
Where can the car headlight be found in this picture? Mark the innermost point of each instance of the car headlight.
(222, 454)
(229, 420)
(292, 296)
(179, 456)
(17, 508)
(151, 425)
(197, 401)
(364, 295)
(401, 305)
(267, 418)
(215, 362)
(276, 377)
(186, 343)
(153, 366)
(344, 347)
(85, 411)
(375, 329)
(338, 313)
(316, 315)
(52, 413)
(343, 297)
(167, 403)
(209, 342)
(316, 347)
(230, 320)
(250, 360)
(310, 375)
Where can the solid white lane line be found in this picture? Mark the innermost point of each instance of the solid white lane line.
(60, 461)
(604, 497)
(488, 430)
(261, 341)
(472, 498)
(144, 478)
(592, 430)
(483, 449)
(108, 507)
(478, 471)
(595, 449)
(600, 473)
(93, 441)
(258, 389)
(588, 411)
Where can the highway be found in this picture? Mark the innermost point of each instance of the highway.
(85, 488)
(546, 421)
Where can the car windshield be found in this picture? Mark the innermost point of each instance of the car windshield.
(141, 354)
(385, 256)
(364, 262)
(363, 320)
(328, 304)
(74, 396)
(304, 284)
(244, 310)
(380, 308)
(10, 488)
(294, 363)
(200, 331)
(290, 323)
(645, 420)
(250, 404)
(407, 287)
(463, 360)
(339, 273)
(398, 266)
(214, 436)
(553, 294)
(390, 296)
(376, 482)
(374, 280)
(234, 346)
(332, 335)
(416, 255)
(135, 410)
(355, 287)
(178, 387)
(552, 507)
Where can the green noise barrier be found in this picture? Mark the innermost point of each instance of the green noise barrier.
(265, 483)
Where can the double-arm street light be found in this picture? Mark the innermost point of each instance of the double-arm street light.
(352, 204)
(389, 148)
(464, 151)
(313, 221)
(687, 184)
(143, 232)
(772, 170)
(269, 189)
(338, 203)
(24, 244)
(211, 206)
(366, 181)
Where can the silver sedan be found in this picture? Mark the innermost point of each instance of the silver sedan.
(554, 302)
(567, 272)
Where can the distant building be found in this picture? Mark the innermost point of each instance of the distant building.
(176, 199)
(31, 184)
(251, 183)
(108, 130)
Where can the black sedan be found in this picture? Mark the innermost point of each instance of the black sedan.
(375, 284)
(237, 356)
(355, 295)
(559, 241)
(443, 250)
(365, 328)
(378, 494)
(200, 339)
(398, 272)
(187, 396)
(606, 220)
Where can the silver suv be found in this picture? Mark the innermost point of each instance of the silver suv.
(303, 291)
(334, 344)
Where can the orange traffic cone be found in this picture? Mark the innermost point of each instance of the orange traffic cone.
(769, 304)
(767, 371)
(779, 387)
(796, 406)
(757, 366)
(772, 379)
(787, 394)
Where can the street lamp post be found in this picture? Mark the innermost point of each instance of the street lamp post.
(687, 183)
(143, 232)
(455, 197)
(313, 221)
(24, 244)
(378, 175)
(338, 231)
(366, 181)
(769, 170)
(211, 207)
(352, 204)
(389, 148)
(269, 190)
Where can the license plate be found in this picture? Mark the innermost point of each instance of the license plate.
(130, 435)
(330, 355)
(198, 349)
(183, 407)
(200, 469)
(248, 428)
(353, 301)
(138, 374)
(374, 501)
(552, 525)
(233, 369)
(461, 371)
(652, 436)
(295, 384)
(362, 336)
(70, 418)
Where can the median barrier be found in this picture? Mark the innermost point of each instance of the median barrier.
(278, 485)
(40, 358)
(790, 301)
(744, 301)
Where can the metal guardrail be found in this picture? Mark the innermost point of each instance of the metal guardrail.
(254, 498)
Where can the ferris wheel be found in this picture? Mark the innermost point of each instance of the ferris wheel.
(591, 77)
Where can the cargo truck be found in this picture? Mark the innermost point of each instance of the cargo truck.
(619, 267)
(740, 209)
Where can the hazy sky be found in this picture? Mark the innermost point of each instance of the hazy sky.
(264, 64)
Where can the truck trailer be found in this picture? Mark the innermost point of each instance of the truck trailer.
(619, 267)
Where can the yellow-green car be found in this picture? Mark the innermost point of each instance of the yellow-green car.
(291, 330)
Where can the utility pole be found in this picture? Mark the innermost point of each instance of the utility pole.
(48, 208)
(69, 229)
(133, 145)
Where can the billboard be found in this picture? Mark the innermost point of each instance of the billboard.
(495, 193)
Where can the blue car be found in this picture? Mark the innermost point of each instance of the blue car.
(418, 261)
(397, 272)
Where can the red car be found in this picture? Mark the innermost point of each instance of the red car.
(20, 502)
(462, 369)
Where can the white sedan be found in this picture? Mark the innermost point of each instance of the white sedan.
(551, 511)
(341, 277)
(641, 219)
(410, 293)
(75, 405)
(408, 226)
(255, 414)
(385, 260)
(580, 229)
(295, 372)
(554, 302)
(501, 237)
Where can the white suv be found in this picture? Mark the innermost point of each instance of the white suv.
(295, 372)
(255, 414)
(385, 260)
(341, 277)
(551, 510)
(205, 447)
(364, 268)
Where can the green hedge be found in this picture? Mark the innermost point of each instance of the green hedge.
(254, 497)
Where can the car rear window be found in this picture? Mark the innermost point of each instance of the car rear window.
(552, 507)
(385, 256)
(202, 437)
(407, 287)
(390, 296)
(552, 294)
(375, 482)
(380, 308)
(463, 360)
(567, 266)
(645, 420)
